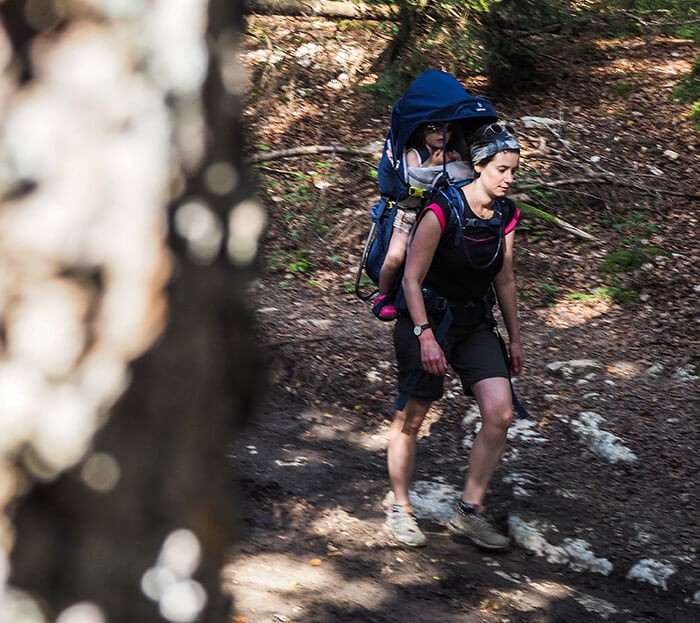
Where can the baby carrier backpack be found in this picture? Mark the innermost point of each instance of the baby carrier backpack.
(435, 96)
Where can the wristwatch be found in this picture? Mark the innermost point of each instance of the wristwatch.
(418, 329)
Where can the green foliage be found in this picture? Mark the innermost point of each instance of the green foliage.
(695, 116)
(522, 38)
(548, 294)
(294, 262)
(688, 92)
(622, 268)
(587, 297)
(520, 44)
(622, 89)
(623, 260)
(428, 34)
(670, 17)
(627, 297)
(301, 212)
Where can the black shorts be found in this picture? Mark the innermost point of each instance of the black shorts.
(474, 353)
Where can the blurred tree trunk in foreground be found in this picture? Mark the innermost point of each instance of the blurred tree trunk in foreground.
(126, 355)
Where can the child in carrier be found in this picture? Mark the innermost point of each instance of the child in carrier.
(430, 147)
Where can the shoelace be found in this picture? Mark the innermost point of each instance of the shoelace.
(407, 521)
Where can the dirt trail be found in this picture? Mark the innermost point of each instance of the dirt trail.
(598, 487)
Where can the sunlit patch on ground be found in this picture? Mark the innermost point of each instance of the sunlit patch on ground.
(568, 313)
(279, 587)
(624, 369)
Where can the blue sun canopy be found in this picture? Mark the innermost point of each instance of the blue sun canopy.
(433, 96)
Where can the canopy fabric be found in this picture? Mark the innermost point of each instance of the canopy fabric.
(435, 95)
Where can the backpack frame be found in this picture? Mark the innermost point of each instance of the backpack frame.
(434, 96)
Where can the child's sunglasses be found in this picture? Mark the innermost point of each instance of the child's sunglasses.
(438, 127)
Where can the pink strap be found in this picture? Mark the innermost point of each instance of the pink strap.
(513, 222)
(434, 207)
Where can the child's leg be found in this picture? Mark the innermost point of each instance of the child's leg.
(393, 260)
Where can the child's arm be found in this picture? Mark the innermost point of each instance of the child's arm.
(412, 158)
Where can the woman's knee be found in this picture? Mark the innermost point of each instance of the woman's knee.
(498, 417)
(410, 420)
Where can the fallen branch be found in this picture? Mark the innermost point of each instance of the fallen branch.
(659, 24)
(322, 8)
(608, 179)
(266, 156)
(377, 146)
(526, 208)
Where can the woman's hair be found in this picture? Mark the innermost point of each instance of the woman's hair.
(489, 140)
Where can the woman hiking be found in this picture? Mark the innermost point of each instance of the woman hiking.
(445, 284)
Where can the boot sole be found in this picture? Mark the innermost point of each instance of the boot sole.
(397, 540)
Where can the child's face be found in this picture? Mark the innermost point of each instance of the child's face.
(433, 134)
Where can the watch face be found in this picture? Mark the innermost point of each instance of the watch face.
(417, 330)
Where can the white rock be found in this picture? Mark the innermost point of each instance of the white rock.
(652, 571)
(574, 552)
(602, 442)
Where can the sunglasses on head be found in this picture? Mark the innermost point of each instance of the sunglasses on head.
(497, 128)
(438, 127)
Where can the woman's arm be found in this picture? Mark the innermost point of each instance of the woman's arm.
(418, 260)
(507, 295)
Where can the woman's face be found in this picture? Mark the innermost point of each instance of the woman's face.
(433, 134)
(497, 175)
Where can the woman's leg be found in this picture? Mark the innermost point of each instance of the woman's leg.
(401, 451)
(495, 404)
(394, 258)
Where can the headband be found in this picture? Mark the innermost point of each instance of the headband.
(485, 147)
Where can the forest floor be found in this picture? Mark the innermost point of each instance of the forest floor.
(599, 486)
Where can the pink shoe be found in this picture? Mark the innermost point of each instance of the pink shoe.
(384, 309)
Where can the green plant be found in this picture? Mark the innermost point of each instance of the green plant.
(688, 92)
(296, 263)
(632, 17)
(623, 260)
(622, 89)
(626, 297)
(549, 292)
(587, 297)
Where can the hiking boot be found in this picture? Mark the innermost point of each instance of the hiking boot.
(403, 527)
(384, 309)
(475, 527)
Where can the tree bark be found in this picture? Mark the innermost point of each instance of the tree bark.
(153, 477)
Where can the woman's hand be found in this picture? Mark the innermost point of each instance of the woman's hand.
(431, 355)
(516, 357)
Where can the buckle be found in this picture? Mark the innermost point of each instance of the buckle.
(414, 191)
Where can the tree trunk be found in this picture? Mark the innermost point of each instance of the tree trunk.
(124, 502)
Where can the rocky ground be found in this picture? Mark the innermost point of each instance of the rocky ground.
(598, 487)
